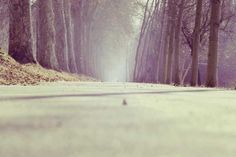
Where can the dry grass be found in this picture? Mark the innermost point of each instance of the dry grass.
(13, 73)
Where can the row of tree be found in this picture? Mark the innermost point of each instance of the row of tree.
(54, 33)
(77, 36)
(173, 40)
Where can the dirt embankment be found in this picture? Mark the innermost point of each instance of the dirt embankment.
(13, 73)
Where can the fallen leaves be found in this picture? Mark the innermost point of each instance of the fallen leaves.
(13, 73)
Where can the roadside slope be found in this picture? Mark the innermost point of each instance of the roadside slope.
(13, 73)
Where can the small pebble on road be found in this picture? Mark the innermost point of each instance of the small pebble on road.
(125, 102)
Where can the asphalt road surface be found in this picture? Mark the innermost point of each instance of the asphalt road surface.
(116, 120)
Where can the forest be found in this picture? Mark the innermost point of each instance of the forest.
(178, 42)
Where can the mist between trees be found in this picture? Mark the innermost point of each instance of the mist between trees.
(152, 41)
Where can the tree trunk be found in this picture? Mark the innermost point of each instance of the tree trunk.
(20, 33)
(196, 44)
(166, 44)
(46, 54)
(61, 46)
(160, 61)
(177, 43)
(76, 14)
(70, 40)
(171, 43)
(211, 80)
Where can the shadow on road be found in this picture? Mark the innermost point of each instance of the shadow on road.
(100, 94)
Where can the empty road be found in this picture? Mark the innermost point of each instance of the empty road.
(116, 120)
